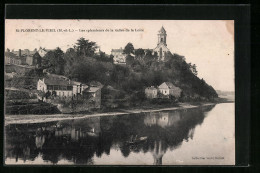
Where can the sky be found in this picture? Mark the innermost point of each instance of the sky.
(207, 43)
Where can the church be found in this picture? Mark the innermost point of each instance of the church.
(161, 49)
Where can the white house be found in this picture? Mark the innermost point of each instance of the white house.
(167, 89)
(119, 57)
(61, 85)
(42, 51)
(151, 92)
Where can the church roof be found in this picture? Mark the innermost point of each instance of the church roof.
(162, 30)
(161, 44)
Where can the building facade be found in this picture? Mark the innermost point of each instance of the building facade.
(151, 92)
(60, 86)
(119, 57)
(93, 94)
(34, 60)
(168, 89)
(23, 57)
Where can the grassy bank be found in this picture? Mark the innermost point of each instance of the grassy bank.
(16, 119)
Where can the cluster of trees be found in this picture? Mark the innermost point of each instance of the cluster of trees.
(142, 69)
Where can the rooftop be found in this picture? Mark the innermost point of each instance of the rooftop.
(170, 85)
(53, 79)
(151, 88)
(25, 52)
(92, 89)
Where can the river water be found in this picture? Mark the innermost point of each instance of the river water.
(197, 136)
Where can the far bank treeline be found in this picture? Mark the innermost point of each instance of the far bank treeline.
(85, 64)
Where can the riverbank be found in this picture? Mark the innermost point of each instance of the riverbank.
(27, 119)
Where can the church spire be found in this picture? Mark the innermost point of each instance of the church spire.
(162, 30)
(162, 36)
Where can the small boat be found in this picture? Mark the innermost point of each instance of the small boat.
(136, 140)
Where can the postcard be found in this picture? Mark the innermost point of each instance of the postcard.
(119, 92)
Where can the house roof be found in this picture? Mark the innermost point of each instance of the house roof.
(161, 44)
(53, 79)
(92, 89)
(10, 54)
(56, 76)
(170, 85)
(25, 52)
(151, 88)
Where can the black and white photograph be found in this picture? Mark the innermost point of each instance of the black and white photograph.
(119, 92)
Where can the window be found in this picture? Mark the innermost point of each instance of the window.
(165, 91)
(49, 87)
(63, 87)
(56, 87)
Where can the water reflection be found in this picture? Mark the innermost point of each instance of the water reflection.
(78, 141)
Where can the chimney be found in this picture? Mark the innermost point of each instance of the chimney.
(20, 52)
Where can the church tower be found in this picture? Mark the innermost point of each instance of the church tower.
(161, 48)
(162, 36)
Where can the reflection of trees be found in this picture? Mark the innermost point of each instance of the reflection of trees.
(80, 140)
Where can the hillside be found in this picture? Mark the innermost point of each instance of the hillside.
(125, 84)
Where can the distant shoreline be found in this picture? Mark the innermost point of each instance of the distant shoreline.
(29, 119)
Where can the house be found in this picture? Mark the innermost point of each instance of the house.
(25, 52)
(23, 57)
(42, 51)
(119, 57)
(34, 60)
(151, 92)
(60, 86)
(93, 94)
(168, 89)
(11, 58)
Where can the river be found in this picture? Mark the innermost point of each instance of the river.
(196, 136)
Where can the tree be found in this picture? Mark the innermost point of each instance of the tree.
(139, 53)
(85, 47)
(54, 61)
(194, 69)
(129, 60)
(70, 58)
(103, 57)
(129, 48)
(37, 59)
(149, 57)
